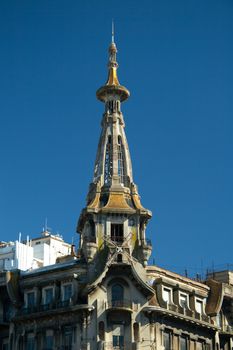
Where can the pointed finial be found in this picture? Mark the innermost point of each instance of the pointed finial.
(112, 31)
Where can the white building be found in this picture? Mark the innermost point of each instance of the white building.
(38, 252)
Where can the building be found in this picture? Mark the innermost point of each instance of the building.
(105, 296)
(34, 253)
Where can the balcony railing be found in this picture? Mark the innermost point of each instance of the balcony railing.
(120, 304)
(44, 307)
(118, 239)
(111, 346)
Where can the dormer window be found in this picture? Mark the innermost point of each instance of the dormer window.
(167, 295)
(183, 300)
(199, 306)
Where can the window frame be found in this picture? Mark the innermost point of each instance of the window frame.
(170, 290)
(44, 295)
(27, 293)
(64, 285)
(202, 303)
(187, 296)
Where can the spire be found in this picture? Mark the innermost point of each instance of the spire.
(112, 86)
(113, 214)
(112, 31)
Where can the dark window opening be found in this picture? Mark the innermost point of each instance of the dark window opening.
(117, 233)
(136, 332)
(108, 161)
(117, 294)
(183, 343)
(167, 340)
(118, 342)
(121, 161)
(101, 331)
(119, 258)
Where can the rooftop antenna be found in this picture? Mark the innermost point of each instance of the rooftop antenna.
(113, 31)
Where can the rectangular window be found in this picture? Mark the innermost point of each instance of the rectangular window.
(199, 306)
(118, 336)
(30, 342)
(183, 343)
(5, 345)
(67, 292)
(118, 341)
(68, 338)
(117, 233)
(48, 296)
(30, 299)
(167, 295)
(183, 301)
(48, 340)
(167, 340)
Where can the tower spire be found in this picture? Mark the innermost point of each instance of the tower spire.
(112, 85)
(113, 212)
(113, 31)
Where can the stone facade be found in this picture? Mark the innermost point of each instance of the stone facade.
(105, 296)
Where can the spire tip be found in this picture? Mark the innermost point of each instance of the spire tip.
(113, 31)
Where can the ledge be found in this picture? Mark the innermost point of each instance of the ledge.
(173, 314)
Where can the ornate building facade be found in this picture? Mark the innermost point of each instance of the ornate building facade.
(105, 296)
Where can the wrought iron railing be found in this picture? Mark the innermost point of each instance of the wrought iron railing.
(44, 307)
(111, 346)
(118, 239)
(124, 303)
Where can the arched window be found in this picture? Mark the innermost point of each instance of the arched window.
(101, 331)
(136, 332)
(117, 294)
(121, 161)
(108, 161)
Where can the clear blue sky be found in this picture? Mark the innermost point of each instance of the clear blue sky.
(176, 59)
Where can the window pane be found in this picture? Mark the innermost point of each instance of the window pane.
(30, 345)
(117, 233)
(184, 301)
(68, 338)
(117, 293)
(167, 341)
(199, 306)
(48, 296)
(67, 291)
(167, 295)
(183, 343)
(30, 299)
(49, 342)
(5, 346)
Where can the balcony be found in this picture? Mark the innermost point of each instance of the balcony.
(44, 307)
(123, 304)
(59, 307)
(125, 346)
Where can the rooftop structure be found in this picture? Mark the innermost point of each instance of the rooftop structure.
(31, 254)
